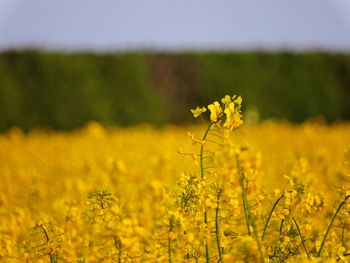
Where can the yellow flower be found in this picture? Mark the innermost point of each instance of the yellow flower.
(226, 100)
(198, 111)
(276, 193)
(238, 100)
(229, 109)
(215, 111)
(227, 115)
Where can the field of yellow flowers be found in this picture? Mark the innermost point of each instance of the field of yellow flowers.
(221, 191)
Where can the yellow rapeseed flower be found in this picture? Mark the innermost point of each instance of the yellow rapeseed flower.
(198, 111)
(215, 111)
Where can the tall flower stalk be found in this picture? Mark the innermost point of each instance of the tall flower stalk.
(331, 224)
(202, 176)
(224, 117)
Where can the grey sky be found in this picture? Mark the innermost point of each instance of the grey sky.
(176, 24)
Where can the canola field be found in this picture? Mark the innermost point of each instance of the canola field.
(219, 191)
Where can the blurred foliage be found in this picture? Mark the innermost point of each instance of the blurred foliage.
(63, 91)
(281, 85)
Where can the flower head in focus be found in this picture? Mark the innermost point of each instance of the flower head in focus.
(226, 114)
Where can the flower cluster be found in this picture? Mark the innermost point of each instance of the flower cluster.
(227, 114)
(272, 192)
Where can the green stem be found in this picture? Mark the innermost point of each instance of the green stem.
(45, 233)
(270, 215)
(258, 242)
(281, 226)
(53, 258)
(217, 232)
(244, 197)
(118, 246)
(301, 237)
(202, 148)
(247, 214)
(245, 207)
(250, 220)
(206, 243)
(202, 176)
(330, 225)
(343, 236)
(169, 249)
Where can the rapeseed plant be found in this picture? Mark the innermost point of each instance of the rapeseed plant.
(46, 240)
(273, 192)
